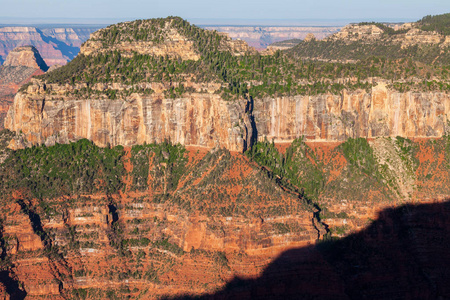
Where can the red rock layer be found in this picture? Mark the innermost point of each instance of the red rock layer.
(137, 243)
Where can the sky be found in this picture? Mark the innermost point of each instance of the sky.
(216, 12)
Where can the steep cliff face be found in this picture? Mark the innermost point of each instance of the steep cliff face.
(20, 66)
(202, 120)
(381, 112)
(207, 120)
(402, 254)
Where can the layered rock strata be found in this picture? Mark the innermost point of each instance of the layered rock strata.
(207, 120)
(200, 119)
(381, 112)
(56, 45)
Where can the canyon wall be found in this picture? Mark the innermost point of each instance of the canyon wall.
(157, 239)
(327, 117)
(56, 45)
(223, 219)
(21, 64)
(200, 119)
(207, 120)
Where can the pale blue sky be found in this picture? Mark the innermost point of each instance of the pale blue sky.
(386, 10)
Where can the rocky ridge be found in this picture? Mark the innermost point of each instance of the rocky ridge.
(409, 35)
(26, 56)
(154, 37)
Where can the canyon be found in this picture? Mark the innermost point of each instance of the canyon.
(166, 161)
(56, 45)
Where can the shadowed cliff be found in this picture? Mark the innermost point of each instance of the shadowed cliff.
(402, 255)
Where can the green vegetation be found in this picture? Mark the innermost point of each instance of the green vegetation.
(388, 47)
(439, 23)
(5, 138)
(221, 184)
(72, 169)
(407, 151)
(364, 170)
(298, 167)
(140, 242)
(164, 244)
(249, 75)
(301, 169)
(287, 43)
(360, 156)
(390, 52)
(168, 164)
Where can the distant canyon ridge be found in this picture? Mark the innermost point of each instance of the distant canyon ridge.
(260, 37)
(57, 45)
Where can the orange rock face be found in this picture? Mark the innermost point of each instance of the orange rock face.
(207, 120)
(220, 221)
(11, 78)
(386, 260)
(338, 117)
(200, 120)
(26, 56)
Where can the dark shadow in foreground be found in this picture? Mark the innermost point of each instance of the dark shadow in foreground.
(404, 254)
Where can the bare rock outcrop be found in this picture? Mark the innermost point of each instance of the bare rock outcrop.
(409, 34)
(200, 119)
(26, 56)
(20, 66)
(209, 121)
(356, 32)
(327, 117)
